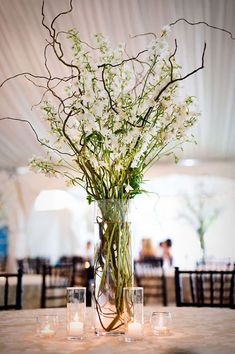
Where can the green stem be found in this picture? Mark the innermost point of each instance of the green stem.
(112, 265)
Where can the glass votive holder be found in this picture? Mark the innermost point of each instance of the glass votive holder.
(93, 305)
(76, 309)
(47, 325)
(161, 323)
(134, 314)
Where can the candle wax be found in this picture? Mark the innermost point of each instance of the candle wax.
(75, 328)
(134, 330)
(161, 329)
(47, 332)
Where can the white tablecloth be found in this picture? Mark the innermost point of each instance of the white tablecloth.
(195, 331)
(31, 285)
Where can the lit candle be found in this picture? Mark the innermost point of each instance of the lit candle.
(134, 330)
(161, 329)
(47, 332)
(76, 327)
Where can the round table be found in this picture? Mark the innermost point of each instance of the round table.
(194, 331)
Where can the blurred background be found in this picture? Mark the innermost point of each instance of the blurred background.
(41, 216)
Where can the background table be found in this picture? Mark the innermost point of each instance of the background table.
(195, 331)
(31, 284)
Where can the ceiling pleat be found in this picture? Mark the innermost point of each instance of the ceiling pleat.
(22, 39)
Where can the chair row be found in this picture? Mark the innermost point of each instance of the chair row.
(204, 288)
(35, 265)
(55, 280)
(192, 288)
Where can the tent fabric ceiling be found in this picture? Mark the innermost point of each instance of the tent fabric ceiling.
(22, 40)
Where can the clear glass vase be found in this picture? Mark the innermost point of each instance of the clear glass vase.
(113, 264)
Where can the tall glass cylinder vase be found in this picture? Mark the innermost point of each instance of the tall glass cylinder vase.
(113, 264)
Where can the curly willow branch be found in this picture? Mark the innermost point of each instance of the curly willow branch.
(203, 23)
(172, 81)
(36, 135)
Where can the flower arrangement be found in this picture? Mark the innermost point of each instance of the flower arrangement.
(201, 213)
(110, 118)
(116, 116)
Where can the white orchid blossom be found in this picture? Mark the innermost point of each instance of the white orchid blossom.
(117, 116)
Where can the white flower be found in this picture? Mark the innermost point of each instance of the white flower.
(119, 113)
(128, 188)
(166, 31)
(118, 167)
(98, 108)
(88, 97)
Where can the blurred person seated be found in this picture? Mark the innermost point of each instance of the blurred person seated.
(89, 252)
(148, 252)
(166, 253)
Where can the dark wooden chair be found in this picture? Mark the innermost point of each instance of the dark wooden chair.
(55, 280)
(70, 259)
(83, 273)
(83, 276)
(150, 275)
(204, 288)
(17, 304)
(32, 265)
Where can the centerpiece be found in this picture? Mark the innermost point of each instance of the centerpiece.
(110, 118)
(200, 212)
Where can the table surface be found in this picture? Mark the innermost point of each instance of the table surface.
(194, 331)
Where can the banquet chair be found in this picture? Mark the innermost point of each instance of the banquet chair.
(32, 265)
(83, 273)
(204, 288)
(55, 280)
(70, 259)
(80, 267)
(17, 304)
(150, 275)
(84, 276)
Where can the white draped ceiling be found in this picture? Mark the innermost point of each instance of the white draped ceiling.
(22, 39)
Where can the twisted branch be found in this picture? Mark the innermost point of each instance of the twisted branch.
(203, 23)
(36, 135)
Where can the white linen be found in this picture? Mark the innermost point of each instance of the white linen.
(195, 331)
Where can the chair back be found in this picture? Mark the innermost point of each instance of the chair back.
(149, 274)
(17, 303)
(33, 265)
(84, 276)
(70, 259)
(55, 280)
(204, 288)
(83, 273)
